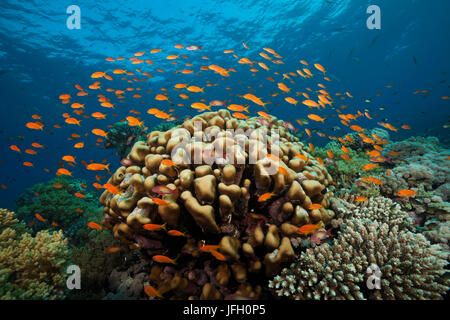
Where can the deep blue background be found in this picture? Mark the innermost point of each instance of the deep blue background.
(41, 59)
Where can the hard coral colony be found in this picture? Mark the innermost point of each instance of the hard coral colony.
(216, 205)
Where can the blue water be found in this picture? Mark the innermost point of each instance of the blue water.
(41, 58)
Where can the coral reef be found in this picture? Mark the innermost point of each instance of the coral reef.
(248, 212)
(55, 202)
(346, 172)
(410, 267)
(31, 267)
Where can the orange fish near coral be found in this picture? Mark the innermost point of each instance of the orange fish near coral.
(163, 259)
(369, 166)
(265, 196)
(94, 225)
(152, 292)
(160, 202)
(406, 193)
(176, 233)
(208, 248)
(110, 188)
(40, 218)
(310, 228)
(218, 255)
(97, 166)
(154, 227)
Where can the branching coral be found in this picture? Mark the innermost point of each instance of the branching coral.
(218, 202)
(380, 209)
(410, 267)
(31, 267)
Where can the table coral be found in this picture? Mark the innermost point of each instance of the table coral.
(410, 267)
(216, 203)
(31, 267)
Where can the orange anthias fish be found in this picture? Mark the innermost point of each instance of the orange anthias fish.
(160, 202)
(35, 125)
(97, 166)
(132, 121)
(154, 227)
(361, 199)
(315, 117)
(369, 166)
(14, 148)
(163, 259)
(110, 188)
(40, 218)
(94, 225)
(218, 255)
(265, 196)
(62, 171)
(176, 233)
(310, 228)
(314, 206)
(100, 132)
(152, 292)
(406, 193)
(209, 248)
(372, 180)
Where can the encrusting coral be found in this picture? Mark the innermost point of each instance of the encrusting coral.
(410, 267)
(31, 267)
(208, 203)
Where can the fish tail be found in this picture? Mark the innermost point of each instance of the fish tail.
(164, 226)
(107, 166)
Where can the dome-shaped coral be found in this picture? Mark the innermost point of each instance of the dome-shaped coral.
(246, 191)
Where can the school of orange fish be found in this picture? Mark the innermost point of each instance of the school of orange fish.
(317, 103)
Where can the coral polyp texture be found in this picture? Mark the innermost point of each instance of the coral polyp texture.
(410, 267)
(171, 182)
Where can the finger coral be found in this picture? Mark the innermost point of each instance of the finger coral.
(244, 193)
(31, 267)
(411, 268)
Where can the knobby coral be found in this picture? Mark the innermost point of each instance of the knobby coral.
(218, 202)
